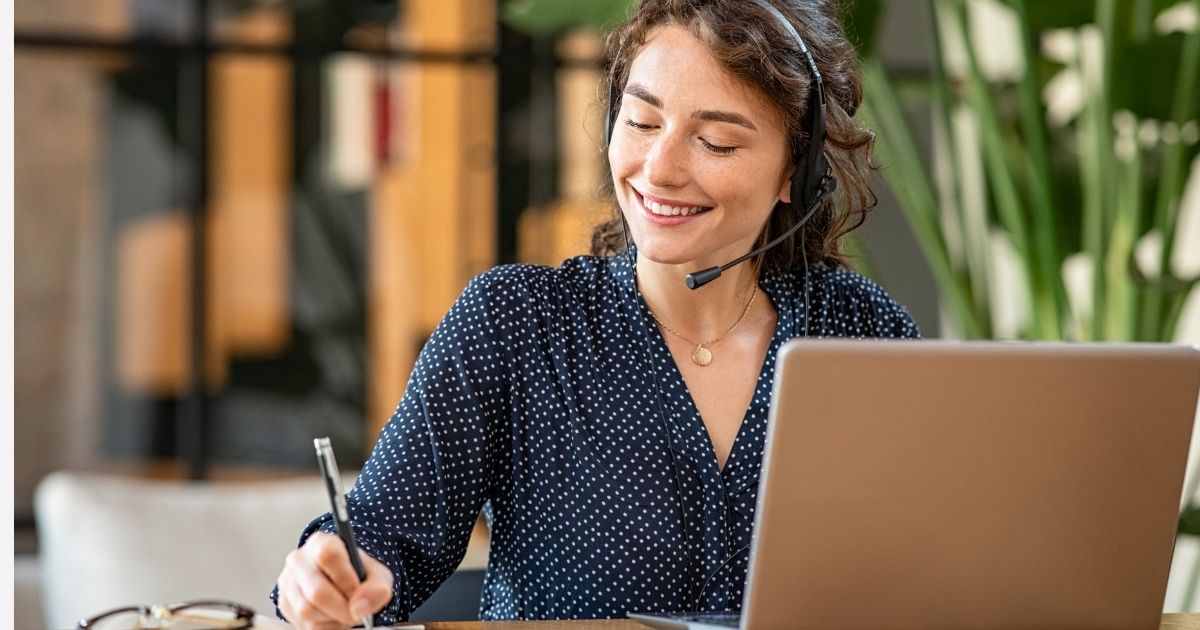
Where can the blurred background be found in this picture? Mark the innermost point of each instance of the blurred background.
(237, 221)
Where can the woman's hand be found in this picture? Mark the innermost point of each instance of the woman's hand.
(319, 590)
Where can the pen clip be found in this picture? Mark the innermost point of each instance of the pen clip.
(332, 479)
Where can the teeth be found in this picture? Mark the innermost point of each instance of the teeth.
(670, 211)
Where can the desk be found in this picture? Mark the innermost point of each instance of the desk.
(591, 624)
(1174, 621)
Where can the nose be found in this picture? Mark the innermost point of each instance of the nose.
(665, 163)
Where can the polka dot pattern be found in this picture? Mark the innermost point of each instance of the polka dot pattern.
(548, 398)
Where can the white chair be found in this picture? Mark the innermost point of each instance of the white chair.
(109, 541)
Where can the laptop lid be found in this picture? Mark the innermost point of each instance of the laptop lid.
(971, 485)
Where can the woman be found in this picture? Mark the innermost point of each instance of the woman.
(609, 419)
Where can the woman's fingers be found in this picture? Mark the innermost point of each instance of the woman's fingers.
(308, 598)
(328, 553)
(319, 589)
(299, 613)
(373, 593)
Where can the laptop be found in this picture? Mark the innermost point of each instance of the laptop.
(967, 485)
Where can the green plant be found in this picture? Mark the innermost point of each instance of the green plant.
(544, 18)
(1091, 190)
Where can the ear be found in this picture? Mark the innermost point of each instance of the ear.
(785, 187)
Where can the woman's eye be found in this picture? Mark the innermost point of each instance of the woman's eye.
(637, 125)
(716, 148)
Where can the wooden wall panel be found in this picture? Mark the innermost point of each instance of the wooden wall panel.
(154, 305)
(249, 230)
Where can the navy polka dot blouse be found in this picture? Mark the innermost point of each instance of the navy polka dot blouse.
(548, 398)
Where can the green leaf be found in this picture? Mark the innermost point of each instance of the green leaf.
(1050, 14)
(1189, 521)
(544, 18)
(910, 182)
(1057, 14)
(861, 20)
(1154, 61)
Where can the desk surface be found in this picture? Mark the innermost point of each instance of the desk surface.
(1188, 621)
(590, 624)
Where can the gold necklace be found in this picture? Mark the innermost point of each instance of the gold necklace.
(702, 356)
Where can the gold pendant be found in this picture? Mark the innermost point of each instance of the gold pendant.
(701, 356)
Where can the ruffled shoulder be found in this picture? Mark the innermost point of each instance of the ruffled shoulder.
(845, 303)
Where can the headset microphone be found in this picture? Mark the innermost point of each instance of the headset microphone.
(697, 279)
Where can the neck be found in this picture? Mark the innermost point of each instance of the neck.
(700, 314)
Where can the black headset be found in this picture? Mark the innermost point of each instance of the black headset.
(812, 179)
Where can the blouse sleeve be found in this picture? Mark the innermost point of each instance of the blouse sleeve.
(855, 306)
(439, 456)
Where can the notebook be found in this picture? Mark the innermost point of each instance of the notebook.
(952, 485)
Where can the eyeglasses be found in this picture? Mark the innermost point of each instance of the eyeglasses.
(210, 614)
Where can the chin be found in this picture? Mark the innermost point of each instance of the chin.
(664, 253)
(692, 256)
(667, 260)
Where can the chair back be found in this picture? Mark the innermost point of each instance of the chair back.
(109, 541)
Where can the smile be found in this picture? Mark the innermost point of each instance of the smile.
(665, 209)
(670, 211)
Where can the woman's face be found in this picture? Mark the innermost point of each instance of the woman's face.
(698, 158)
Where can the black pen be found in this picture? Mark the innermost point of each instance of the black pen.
(341, 515)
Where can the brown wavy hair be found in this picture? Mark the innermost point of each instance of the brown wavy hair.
(752, 44)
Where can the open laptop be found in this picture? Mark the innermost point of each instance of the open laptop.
(968, 485)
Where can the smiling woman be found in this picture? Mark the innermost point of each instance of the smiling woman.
(609, 419)
(766, 67)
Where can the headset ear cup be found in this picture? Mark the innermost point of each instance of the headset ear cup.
(810, 184)
(799, 187)
(815, 177)
(798, 191)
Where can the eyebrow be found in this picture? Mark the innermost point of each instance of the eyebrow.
(735, 118)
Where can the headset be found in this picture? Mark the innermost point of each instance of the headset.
(812, 183)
